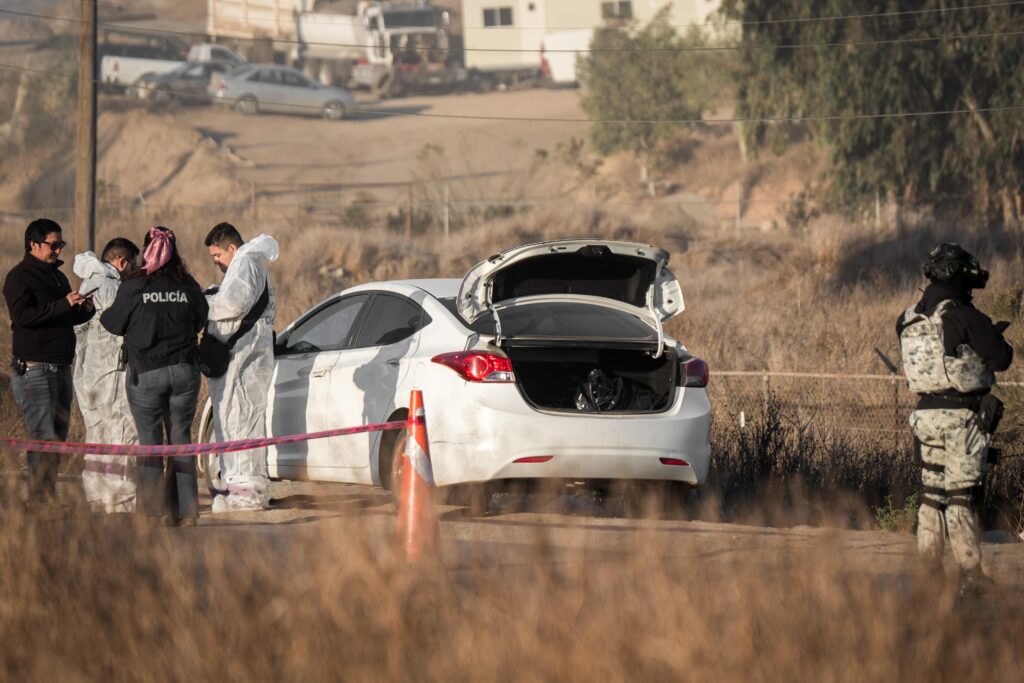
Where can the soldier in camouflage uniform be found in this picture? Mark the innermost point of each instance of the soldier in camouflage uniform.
(950, 352)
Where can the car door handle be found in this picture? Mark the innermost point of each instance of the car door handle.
(318, 373)
(393, 361)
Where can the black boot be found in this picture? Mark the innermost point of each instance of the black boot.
(975, 584)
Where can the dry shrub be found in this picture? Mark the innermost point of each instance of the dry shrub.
(785, 467)
(104, 598)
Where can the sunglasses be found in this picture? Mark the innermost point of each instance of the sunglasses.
(55, 245)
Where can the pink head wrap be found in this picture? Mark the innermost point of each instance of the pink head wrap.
(160, 249)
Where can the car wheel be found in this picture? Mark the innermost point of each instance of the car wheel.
(248, 105)
(653, 500)
(334, 111)
(161, 95)
(392, 462)
(208, 464)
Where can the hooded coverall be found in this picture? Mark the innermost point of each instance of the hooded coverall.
(240, 396)
(109, 480)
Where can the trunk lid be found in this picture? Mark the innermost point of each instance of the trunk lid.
(629, 277)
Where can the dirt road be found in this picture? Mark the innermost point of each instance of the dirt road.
(303, 512)
(384, 146)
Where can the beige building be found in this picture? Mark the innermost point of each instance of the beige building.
(520, 26)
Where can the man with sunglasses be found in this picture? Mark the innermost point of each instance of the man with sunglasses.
(44, 311)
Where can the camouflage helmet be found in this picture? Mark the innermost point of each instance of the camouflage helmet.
(949, 262)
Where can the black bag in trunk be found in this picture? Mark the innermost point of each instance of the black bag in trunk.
(601, 392)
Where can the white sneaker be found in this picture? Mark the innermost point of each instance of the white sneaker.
(220, 503)
(244, 503)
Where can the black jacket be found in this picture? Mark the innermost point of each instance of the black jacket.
(159, 319)
(42, 320)
(962, 323)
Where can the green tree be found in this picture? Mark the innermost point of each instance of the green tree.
(974, 158)
(635, 81)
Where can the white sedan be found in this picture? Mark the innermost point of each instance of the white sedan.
(547, 362)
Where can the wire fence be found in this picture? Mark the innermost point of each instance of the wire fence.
(865, 408)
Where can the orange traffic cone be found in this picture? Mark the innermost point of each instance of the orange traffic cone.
(417, 520)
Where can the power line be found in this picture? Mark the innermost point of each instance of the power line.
(543, 119)
(700, 48)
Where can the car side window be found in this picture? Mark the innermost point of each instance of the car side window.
(391, 319)
(195, 71)
(296, 80)
(329, 328)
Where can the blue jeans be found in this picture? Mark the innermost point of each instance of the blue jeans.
(43, 395)
(162, 400)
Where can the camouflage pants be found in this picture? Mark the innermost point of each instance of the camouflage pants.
(953, 463)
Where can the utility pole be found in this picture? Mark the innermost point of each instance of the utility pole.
(85, 150)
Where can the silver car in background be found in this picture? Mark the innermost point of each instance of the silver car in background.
(255, 88)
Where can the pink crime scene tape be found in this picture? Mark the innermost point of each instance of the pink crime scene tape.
(193, 449)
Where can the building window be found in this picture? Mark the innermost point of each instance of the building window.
(619, 9)
(498, 16)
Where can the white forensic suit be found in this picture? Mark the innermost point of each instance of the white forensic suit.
(109, 480)
(240, 395)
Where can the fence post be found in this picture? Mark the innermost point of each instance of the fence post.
(252, 204)
(447, 199)
(765, 391)
(408, 216)
(897, 440)
(739, 213)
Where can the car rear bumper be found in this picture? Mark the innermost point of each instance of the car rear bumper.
(482, 432)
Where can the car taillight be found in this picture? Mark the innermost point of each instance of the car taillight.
(477, 366)
(695, 373)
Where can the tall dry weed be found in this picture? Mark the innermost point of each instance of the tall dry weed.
(104, 598)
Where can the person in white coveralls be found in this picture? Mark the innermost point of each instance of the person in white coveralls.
(99, 379)
(240, 395)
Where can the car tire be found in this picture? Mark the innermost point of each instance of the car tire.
(248, 105)
(208, 464)
(334, 111)
(161, 96)
(392, 462)
(653, 500)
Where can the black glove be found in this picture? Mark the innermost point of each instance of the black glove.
(1001, 326)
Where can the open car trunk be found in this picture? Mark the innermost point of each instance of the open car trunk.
(598, 380)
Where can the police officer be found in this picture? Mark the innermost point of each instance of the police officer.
(160, 313)
(950, 351)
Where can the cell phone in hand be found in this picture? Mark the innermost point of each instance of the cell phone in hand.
(91, 292)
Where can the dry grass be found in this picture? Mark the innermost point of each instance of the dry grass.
(102, 598)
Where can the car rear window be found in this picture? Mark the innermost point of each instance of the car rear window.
(563, 320)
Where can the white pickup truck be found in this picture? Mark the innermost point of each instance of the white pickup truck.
(121, 65)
